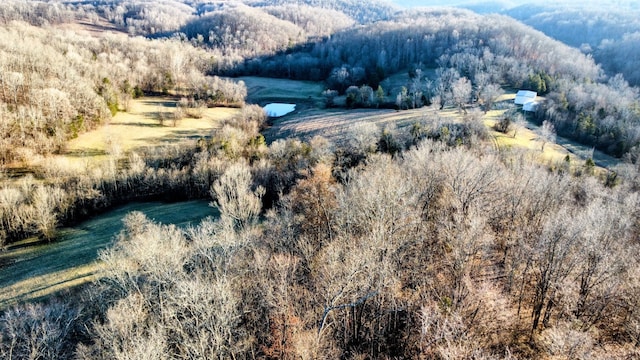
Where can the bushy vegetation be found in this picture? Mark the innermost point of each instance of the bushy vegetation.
(483, 51)
(55, 84)
(33, 207)
(473, 56)
(424, 242)
(43, 100)
(437, 252)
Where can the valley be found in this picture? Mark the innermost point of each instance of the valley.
(403, 207)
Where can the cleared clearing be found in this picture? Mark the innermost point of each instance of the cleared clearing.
(528, 139)
(138, 128)
(98, 27)
(264, 90)
(335, 125)
(141, 127)
(30, 271)
(148, 123)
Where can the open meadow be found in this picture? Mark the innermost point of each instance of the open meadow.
(316, 179)
(336, 124)
(150, 121)
(70, 261)
(30, 271)
(262, 90)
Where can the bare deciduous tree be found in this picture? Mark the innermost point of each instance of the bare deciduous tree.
(547, 133)
(239, 205)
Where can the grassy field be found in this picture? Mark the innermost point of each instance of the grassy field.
(528, 139)
(30, 271)
(265, 90)
(335, 124)
(393, 84)
(141, 127)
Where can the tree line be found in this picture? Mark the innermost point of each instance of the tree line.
(486, 50)
(419, 243)
(608, 32)
(55, 85)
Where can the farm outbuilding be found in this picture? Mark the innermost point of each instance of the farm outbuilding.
(525, 96)
(531, 106)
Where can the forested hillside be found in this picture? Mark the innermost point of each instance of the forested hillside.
(56, 84)
(608, 32)
(430, 241)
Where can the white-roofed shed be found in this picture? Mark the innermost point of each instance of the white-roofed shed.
(525, 96)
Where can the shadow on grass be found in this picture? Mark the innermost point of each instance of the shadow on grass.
(62, 260)
(141, 124)
(85, 152)
(164, 103)
(43, 292)
(177, 136)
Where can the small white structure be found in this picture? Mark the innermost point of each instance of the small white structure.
(525, 96)
(531, 106)
(278, 109)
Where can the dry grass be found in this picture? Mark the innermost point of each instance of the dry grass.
(526, 139)
(553, 153)
(334, 124)
(29, 270)
(47, 284)
(394, 83)
(98, 28)
(140, 127)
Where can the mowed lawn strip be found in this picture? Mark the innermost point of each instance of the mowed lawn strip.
(262, 90)
(29, 271)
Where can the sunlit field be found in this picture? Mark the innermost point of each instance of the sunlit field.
(401, 205)
(336, 124)
(149, 122)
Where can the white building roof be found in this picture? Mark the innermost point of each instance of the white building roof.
(530, 106)
(525, 96)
